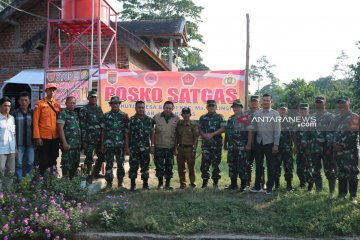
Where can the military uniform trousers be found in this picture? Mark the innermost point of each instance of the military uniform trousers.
(251, 158)
(284, 157)
(307, 169)
(163, 159)
(141, 158)
(118, 153)
(89, 155)
(70, 161)
(237, 160)
(185, 155)
(347, 163)
(328, 163)
(300, 168)
(316, 166)
(211, 156)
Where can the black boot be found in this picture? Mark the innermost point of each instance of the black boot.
(353, 185)
(167, 184)
(96, 170)
(243, 185)
(310, 186)
(145, 184)
(88, 169)
(120, 184)
(289, 186)
(233, 185)
(277, 183)
(215, 184)
(109, 185)
(160, 185)
(133, 185)
(332, 183)
(319, 184)
(342, 188)
(205, 183)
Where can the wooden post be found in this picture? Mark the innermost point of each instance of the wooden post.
(170, 63)
(247, 60)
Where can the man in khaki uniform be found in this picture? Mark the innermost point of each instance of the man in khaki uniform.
(186, 143)
(165, 126)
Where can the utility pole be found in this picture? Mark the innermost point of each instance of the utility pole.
(247, 60)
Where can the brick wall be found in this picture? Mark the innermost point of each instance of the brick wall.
(13, 59)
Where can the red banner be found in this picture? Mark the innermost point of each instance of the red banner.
(191, 89)
(70, 83)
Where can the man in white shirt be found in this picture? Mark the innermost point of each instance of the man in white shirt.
(7, 141)
(267, 125)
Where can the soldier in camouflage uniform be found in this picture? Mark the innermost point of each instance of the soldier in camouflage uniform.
(254, 106)
(165, 131)
(140, 131)
(285, 154)
(91, 123)
(345, 146)
(113, 141)
(70, 136)
(305, 139)
(212, 125)
(322, 149)
(238, 140)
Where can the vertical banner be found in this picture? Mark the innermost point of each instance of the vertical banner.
(190, 89)
(70, 83)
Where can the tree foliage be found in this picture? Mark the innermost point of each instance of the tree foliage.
(342, 69)
(4, 4)
(355, 84)
(262, 71)
(190, 57)
(298, 91)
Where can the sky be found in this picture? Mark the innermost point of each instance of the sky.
(302, 38)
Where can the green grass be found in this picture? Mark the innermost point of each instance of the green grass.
(217, 211)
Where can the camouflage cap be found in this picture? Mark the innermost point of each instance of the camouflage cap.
(186, 110)
(320, 98)
(210, 103)
(115, 99)
(283, 105)
(237, 102)
(342, 98)
(92, 93)
(304, 105)
(255, 98)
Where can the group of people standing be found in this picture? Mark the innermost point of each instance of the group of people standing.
(333, 143)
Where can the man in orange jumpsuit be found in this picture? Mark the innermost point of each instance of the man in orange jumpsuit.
(45, 132)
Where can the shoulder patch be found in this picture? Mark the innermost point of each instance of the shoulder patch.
(354, 122)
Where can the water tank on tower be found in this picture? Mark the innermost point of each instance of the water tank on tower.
(82, 10)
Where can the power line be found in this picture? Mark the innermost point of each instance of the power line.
(20, 10)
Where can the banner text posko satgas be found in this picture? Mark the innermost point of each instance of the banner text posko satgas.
(191, 89)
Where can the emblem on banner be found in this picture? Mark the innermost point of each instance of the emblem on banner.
(151, 78)
(229, 80)
(50, 76)
(188, 79)
(84, 74)
(112, 77)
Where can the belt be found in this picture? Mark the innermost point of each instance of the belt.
(184, 145)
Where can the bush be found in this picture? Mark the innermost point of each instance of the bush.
(111, 212)
(43, 208)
